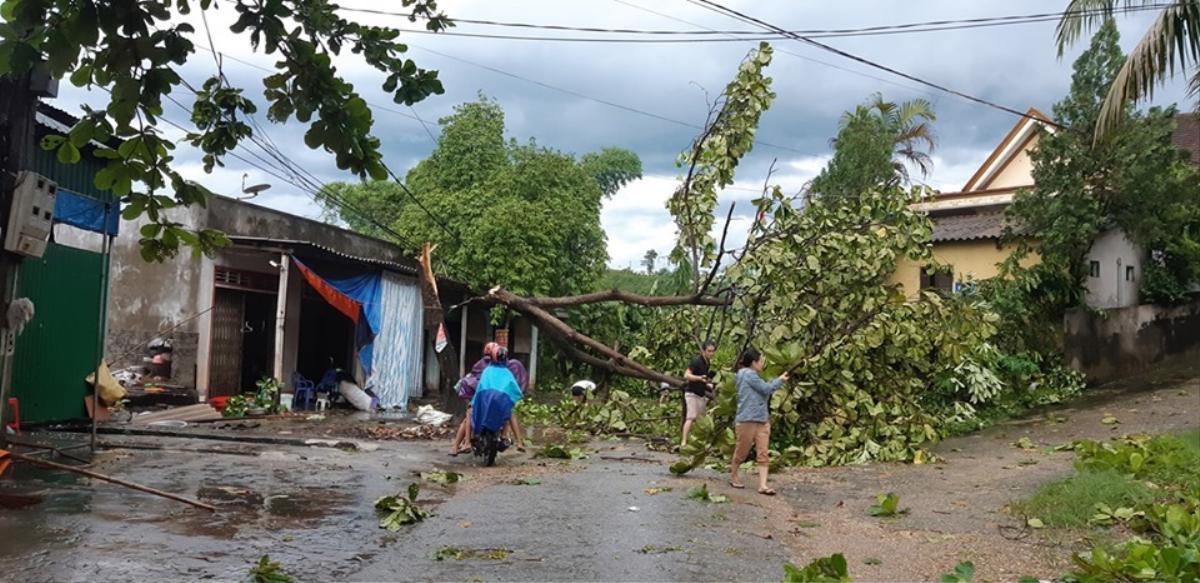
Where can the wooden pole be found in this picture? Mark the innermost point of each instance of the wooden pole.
(117, 481)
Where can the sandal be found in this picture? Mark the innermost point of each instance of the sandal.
(737, 485)
(766, 491)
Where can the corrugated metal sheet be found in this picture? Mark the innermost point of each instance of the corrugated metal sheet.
(75, 177)
(58, 348)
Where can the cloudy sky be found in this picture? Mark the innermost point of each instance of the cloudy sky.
(580, 97)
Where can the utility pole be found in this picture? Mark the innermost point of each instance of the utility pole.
(18, 104)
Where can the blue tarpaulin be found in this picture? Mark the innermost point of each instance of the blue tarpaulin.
(359, 298)
(85, 212)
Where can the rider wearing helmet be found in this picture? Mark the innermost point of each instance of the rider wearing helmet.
(466, 390)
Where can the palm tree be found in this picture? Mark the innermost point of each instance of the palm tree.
(648, 261)
(1170, 46)
(909, 124)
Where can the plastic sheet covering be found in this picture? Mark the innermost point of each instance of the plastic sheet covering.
(397, 353)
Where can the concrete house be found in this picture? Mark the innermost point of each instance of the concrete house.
(968, 226)
(290, 298)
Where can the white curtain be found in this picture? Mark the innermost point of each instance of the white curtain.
(397, 358)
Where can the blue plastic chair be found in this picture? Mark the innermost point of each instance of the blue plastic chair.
(305, 392)
(329, 384)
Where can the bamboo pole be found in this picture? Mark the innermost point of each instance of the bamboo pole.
(117, 481)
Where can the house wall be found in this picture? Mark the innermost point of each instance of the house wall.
(970, 260)
(148, 298)
(1122, 342)
(1018, 171)
(1115, 253)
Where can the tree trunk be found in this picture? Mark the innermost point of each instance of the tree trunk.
(434, 319)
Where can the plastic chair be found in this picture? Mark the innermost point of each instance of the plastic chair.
(329, 384)
(304, 392)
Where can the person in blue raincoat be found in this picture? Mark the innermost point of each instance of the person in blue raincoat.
(496, 395)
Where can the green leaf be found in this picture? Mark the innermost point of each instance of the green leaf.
(68, 153)
(1035, 523)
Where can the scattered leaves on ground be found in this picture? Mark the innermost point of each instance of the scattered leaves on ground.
(401, 509)
(444, 477)
(268, 571)
(1109, 420)
(555, 451)
(963, 573)
(397, 432)
(657, 490)
(886, 505)
(825, 569)
(656, 550)
(702, 494)
(459, 554)
(526, 482)
(1035, 523)
(1025, 443)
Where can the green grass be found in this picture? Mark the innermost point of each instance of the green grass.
(1184, 471)
(1071, 502)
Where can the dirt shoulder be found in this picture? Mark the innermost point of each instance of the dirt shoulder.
(958, 507)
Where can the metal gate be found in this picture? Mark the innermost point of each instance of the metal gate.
(59, 347)
(225, 362)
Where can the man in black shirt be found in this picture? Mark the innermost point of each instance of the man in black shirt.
(699, 386)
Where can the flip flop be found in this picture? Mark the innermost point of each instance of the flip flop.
(737, 485)
(766, 491)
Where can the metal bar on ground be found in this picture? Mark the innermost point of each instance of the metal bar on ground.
(118, 481)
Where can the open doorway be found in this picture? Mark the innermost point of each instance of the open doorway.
(326, 338)
(243, 340)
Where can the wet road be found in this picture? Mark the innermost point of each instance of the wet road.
(595, 521)
(311, 509)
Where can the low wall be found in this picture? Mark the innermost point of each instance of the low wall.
(1121, 342)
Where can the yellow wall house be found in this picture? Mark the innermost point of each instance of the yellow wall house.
(968, 224)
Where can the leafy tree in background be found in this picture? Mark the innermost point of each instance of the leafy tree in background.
(1132, 178)
(135, 50)
(876, 143)
(1171, 45)
(515, 214)
(648, 261)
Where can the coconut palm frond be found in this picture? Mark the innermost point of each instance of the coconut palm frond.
(1169, 46)
(1082, 16)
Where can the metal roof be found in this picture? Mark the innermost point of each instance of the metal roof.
(407, 268)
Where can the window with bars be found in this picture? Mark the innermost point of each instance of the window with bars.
(246, 280)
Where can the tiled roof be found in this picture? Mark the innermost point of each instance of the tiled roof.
(968, 227)
(1187, 134)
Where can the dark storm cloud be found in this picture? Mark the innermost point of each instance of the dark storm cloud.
(1016, 66)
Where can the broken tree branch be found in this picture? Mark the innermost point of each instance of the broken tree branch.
(117, 481)
(712, 273)
(616, 362)
(434, 319)
(619, 295)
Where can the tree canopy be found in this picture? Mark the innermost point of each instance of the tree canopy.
(502, 212)
(135, 50)
(1133, 178)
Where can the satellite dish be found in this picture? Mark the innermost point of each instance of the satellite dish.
(253, 189)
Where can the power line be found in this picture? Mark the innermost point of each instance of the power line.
(718, 8)
(254, 65)
(298, 181)
(921, 26)
(782, 50)
(580, 95)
